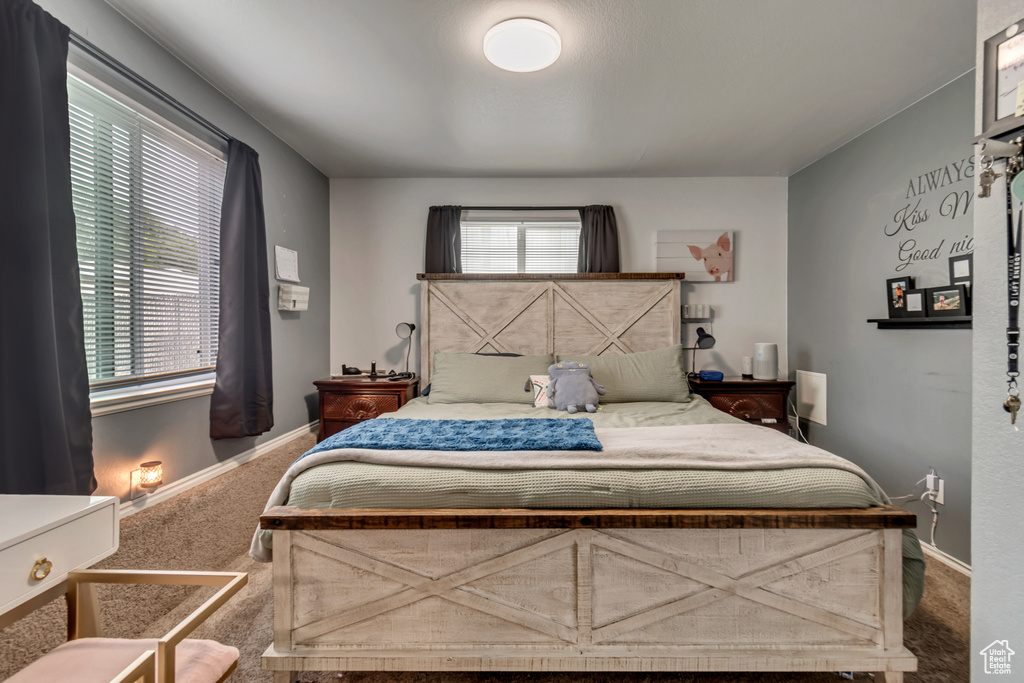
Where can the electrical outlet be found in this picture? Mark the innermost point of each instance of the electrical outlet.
(935, 485)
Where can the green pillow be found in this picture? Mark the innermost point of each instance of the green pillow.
(472, 378)
(634, 377)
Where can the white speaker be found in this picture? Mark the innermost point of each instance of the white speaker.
(766, 361)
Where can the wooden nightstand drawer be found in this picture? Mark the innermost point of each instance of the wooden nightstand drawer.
(89, 534)
(358, 406)
(751, 406)
(348, 401)
(748, 399)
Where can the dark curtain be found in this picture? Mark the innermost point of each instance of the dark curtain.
(444, 240)
(243, 397)
(599, 240)
(45, 424)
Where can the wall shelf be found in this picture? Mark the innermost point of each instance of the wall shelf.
(962, 322)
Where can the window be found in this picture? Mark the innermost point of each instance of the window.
(147, 204)
(507, 246)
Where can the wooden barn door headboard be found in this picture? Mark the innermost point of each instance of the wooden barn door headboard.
(593, 315)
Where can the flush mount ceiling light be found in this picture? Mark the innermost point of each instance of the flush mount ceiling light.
(522, 45)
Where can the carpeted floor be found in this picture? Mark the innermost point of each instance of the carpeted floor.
(210, 526)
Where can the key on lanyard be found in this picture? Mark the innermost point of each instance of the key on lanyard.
(985, 180)
(1012, 405)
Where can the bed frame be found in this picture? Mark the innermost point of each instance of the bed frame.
(591, 590)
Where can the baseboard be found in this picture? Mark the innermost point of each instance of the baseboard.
(130, 507)
(948, 560)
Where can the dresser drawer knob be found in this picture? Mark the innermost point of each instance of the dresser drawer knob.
(41, 569)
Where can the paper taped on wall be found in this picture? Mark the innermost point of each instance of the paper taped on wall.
(287, 264)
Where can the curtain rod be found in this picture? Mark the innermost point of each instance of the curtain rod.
(522, 208)
(123, 71)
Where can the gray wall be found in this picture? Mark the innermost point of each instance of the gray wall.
(899, 401)
(377, 238)
(296, 201)
(997, 601)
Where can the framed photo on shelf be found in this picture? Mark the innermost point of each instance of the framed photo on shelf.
(896, 293)
(914, 304)
(950, 300)
(1004, 71)
(961, 270)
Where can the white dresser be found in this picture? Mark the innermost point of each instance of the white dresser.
(42, 538)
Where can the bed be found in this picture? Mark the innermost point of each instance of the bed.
(690, 542)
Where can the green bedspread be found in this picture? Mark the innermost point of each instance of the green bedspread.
(695, 411)
(357, 485)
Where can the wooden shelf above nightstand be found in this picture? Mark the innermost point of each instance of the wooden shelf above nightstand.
(962, 322)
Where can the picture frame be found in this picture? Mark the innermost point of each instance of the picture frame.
(1003, 72)
(701, 255)
(946, 301)
(961, 270)
(895, 293)
(915, 304)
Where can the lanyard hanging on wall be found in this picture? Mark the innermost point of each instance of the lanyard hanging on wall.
(1012, 152)
(1014, 186)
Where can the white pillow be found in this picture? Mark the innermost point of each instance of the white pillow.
(541, 396)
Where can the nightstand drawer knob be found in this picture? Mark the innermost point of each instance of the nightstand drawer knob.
(41, 569)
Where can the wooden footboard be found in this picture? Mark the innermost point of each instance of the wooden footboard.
(596, 590)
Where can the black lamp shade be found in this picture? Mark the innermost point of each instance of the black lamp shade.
(704, 340)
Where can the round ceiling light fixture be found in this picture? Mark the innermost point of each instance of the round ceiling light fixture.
(522, 45)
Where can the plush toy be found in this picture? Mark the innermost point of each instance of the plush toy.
(573, 388)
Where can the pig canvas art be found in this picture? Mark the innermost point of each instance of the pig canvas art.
(702, 255)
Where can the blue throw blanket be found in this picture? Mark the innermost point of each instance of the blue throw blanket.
(526, 434)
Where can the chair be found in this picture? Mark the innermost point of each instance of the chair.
(142, 669)
(120, 660)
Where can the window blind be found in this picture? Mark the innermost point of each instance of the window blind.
(147, 205)
(520, 247)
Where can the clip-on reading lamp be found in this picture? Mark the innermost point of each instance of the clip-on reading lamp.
(704, 341)
(404, 331)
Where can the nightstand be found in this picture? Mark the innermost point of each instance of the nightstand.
(345, 401)
(758, 401)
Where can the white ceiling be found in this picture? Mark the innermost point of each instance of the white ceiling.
(373, 88)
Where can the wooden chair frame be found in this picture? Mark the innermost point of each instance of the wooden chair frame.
(143, 668)
(82, 609)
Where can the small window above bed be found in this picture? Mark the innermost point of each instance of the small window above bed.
(520, 243)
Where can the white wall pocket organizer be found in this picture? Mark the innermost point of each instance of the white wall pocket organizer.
(292, 298)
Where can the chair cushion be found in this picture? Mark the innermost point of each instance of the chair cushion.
(98, 660)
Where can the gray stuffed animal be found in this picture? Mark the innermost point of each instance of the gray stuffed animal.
(573, 388)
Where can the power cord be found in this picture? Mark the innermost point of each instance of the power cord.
(928, 500)
(935, 513)
(911, 495)
(800, 432)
